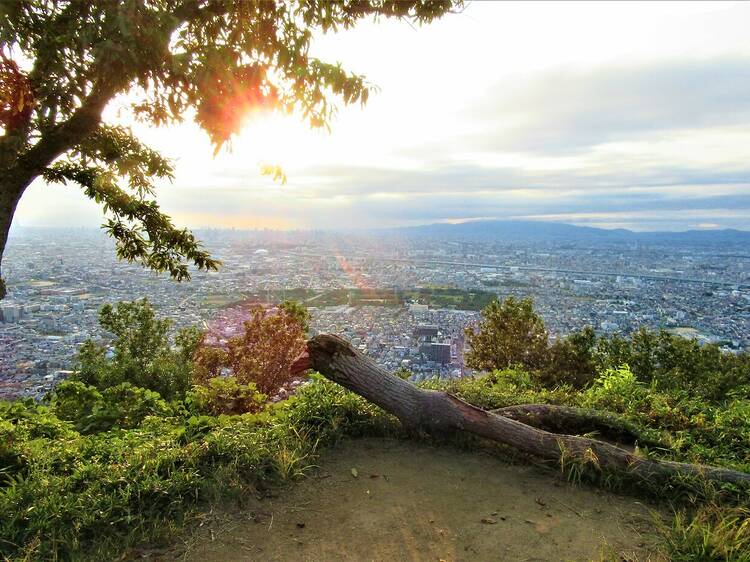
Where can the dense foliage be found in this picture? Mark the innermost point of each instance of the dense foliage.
(298, 312)
(142, 354)
(70, 495)
(75, 486)
(512, 334)
(105, 464)
(262, 354)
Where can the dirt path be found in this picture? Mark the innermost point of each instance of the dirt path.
(414, 502)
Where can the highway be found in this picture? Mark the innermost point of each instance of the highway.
(496, 266)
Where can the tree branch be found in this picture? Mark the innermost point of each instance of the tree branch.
(439, 412)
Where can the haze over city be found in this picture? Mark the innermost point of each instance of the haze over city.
(633, 115)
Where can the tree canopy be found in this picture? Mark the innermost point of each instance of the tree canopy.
(510, 334)
(142, 354)
(262, 354)
(62, 62)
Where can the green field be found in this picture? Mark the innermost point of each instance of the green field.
(436, 297)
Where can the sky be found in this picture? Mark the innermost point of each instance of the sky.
(618, 115)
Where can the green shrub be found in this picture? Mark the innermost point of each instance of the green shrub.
(74, 401)
(70, 495)
(501, 388)
(616, 389)
(124, 406)
(224, 395)
(142, 355)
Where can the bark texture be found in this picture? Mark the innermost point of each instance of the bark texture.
(9, 197)
(576, 421)
(439, 412)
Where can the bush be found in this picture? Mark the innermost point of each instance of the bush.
(571, 360)
(500, 389)
(263, 354)
(670, 361)
(69, 495)
(142, 353)
(123, 406)
(224, 395)
(510, 334)
(616, 389)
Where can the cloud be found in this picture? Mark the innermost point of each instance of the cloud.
(659, 142)
(571, 110)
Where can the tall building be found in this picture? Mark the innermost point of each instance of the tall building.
(437, 352)
(10, 312)
(425, 331)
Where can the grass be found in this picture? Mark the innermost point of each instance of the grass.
(710, 533)
(710, 522)
(67, 495)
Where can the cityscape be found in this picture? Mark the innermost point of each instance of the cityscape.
(403, 297)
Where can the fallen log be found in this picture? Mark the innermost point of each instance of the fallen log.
(441, 413)
(576, 421)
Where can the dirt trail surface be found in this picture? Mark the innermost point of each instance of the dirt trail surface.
(386, 500)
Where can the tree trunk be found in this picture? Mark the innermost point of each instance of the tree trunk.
(11, 189)
(576, 421)
(439, 412)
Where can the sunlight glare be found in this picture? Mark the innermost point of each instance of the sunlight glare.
(277, 140)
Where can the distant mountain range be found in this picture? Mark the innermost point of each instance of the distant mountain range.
(539, 230)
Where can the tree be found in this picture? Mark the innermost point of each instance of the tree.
(62, 62)
(297, 310)
(571, 359)
(142, 354)
(263, 354)
(509, 334)
(403, 373)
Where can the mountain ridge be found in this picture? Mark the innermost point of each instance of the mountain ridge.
(526, 229)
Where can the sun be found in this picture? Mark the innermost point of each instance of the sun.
(274, 139)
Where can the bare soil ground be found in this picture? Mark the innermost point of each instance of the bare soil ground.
(387, 500)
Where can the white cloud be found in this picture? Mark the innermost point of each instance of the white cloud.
(544, 109)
